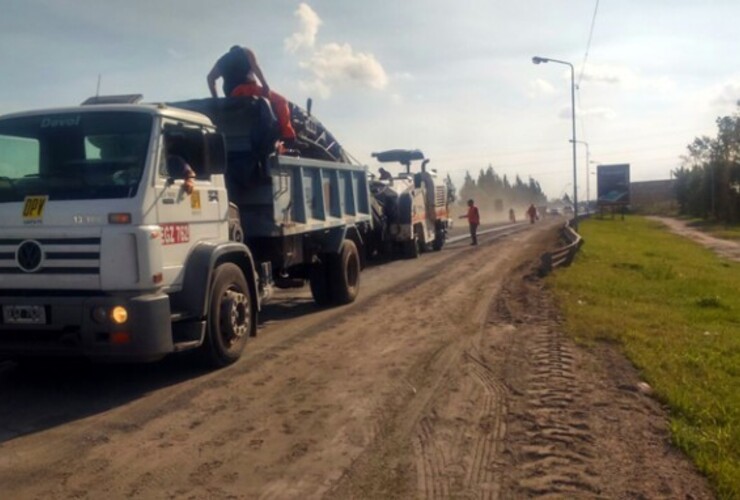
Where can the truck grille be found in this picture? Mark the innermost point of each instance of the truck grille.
(47, 256)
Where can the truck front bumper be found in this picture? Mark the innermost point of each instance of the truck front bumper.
(54, 325)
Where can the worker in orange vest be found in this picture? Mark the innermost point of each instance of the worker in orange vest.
(242, 76)
(473, 217)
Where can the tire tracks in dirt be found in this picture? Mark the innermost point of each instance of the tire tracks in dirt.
(448, 440)
(578, 426)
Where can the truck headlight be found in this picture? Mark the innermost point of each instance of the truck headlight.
(119, 315)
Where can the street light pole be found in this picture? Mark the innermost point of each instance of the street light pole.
(540, 60)
(588, 183)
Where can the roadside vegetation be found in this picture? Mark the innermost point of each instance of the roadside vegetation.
(708, 182)
(717, 229)
(674, 309)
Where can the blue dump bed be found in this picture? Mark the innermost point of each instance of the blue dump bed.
(295, 205)
(303, 195)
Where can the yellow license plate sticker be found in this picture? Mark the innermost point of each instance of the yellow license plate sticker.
(195, 200)
(33, 207)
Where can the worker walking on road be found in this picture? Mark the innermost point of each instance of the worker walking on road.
(532, 213)
(473, 217)
(242, 76)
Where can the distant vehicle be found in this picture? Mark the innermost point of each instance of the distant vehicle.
(553, 211)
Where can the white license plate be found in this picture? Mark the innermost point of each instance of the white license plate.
(24, 315)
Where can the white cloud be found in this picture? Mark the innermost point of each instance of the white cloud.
(340, 64)
(331, 64)
(726, 95)
(309, 27)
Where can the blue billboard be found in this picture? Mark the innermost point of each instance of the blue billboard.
(613, 184)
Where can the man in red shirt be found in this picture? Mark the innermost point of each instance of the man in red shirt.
(473, 217)
(242, 76)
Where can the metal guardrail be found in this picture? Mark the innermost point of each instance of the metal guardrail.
(562, 256)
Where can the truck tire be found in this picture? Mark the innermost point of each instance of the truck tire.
(318, 280)
(411, 248)
(344, 274)
(231, 317)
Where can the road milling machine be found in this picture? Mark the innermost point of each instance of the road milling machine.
(410, 209)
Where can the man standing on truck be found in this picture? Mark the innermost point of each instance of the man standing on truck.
(473, 217)
(242, 76)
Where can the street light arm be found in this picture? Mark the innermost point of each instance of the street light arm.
(540, 60)
(543, 60)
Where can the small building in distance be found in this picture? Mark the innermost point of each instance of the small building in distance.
(653, 196)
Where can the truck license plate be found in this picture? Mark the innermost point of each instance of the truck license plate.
(24, 315)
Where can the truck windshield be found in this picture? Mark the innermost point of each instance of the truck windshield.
(73, 156)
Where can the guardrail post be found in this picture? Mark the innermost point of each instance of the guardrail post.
(546, 267)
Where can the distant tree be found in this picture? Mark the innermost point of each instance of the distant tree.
(708, 181)
(468, 189)
(493, 192)
(451, 190)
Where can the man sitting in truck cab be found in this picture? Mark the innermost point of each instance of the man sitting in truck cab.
(177, 167)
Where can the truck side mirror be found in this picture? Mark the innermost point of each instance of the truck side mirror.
(215, 153)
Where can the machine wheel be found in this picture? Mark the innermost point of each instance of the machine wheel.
(439, 240)
(231, 317)
(344, 274)
(318, 280)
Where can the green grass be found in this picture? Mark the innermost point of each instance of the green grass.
(674, 309)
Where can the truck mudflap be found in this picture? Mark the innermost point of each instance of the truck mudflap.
(135, 328)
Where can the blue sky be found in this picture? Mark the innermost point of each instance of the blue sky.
(454, 79)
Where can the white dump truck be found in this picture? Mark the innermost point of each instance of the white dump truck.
(120, 240)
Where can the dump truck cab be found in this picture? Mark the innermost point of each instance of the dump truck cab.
(115, 238)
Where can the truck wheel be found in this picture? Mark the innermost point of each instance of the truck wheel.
(411, 248)
(344, 273)
(231, 317)
(318, 280)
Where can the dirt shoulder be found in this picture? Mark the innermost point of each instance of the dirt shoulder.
(523, 412)
(581, 422)
(724, 248)
(450, 381)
